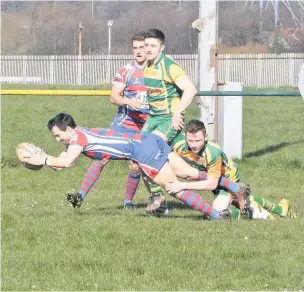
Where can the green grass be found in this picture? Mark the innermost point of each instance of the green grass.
(46, 245)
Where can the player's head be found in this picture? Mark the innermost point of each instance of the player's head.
(138, 47)
(62, 127)
(154, 43)
(196, 136)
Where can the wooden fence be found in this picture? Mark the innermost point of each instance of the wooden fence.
(254, 70)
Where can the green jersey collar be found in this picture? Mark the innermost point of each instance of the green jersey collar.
(161, 56)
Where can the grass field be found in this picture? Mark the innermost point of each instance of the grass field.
(46, 245)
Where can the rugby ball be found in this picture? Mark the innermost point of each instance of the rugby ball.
(26, 149)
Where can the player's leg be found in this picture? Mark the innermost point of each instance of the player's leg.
(188, 197)
(222, 201)
(282, 208)
(164, 129)
(155, 192)
(183, 170)
(133, 177)
(92, 175)
(132, 184)
(254, 210)
(153, 126)
(241, 190)
(155, 164)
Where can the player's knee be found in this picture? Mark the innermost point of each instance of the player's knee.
(133, 167)
(221, 202)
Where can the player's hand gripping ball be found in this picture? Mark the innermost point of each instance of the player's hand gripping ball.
(26, 150)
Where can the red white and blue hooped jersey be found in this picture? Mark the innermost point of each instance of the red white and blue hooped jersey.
(148, 150)
(132, 77)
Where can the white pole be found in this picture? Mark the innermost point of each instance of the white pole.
(207, 40)
(110, 23)
(92, 8)
(109, 48)
(222, 116)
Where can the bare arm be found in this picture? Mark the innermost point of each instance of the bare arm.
(56, 162)
(117, 97)
(189, 91)
(203, 185)
(65, 161)
(54, 167)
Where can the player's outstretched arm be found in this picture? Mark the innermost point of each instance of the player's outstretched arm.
(54, 167)
(55, 162)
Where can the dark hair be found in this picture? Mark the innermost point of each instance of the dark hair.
(62, 121)
(156, 34)
(194, 126)
(140, 36)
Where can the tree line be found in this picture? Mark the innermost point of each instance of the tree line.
(53, 27)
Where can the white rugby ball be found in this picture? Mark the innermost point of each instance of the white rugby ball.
(26, 149)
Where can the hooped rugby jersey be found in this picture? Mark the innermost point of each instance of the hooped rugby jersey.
(132, 77)
(148, 150)
(163, 94)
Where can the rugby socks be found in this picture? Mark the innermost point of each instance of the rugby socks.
(202, 175)
(224, 182)
(229, 185)
(155, 189)
(235, 213)
(196, 202)
(267, 205)
(91, 177)
(131, 186)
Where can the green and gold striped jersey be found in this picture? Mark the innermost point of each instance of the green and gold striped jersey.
(211, 158)
(163, 94)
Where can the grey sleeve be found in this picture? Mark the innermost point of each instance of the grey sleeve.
(301, 81)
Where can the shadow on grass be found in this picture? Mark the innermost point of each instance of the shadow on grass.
(270, 149)
(171, 216)
(171, 205)
(109, 212)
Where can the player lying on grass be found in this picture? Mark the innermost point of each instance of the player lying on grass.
(155, 158)
(204, 154)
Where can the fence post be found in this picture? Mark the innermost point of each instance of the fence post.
(79, 69)
(52, 70)
(227, 67)
(259, 75)
(24, 67)
(291, 81)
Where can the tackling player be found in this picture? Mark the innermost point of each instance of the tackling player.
(207, 156)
